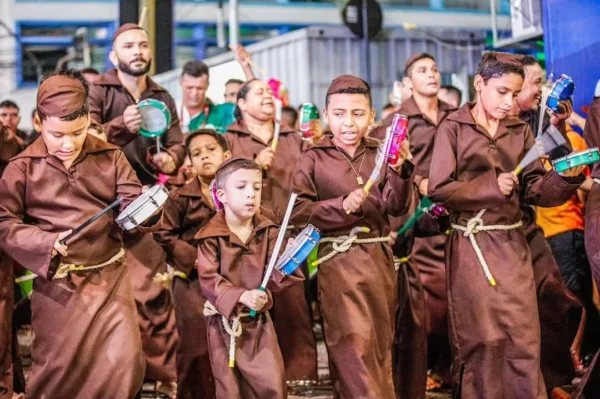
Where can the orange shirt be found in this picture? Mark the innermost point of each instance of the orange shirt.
(570, 215)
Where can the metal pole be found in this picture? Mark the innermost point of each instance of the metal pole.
(234, 28)
(365, 43)
(220, 25)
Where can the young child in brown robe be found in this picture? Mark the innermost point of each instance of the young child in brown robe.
(493, 314)
(87, 343)
(233, 249)
(187, 210)
(357, 287)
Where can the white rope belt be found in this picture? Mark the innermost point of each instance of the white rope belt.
(344, 243)
(165, 279)
(65, 268)
(474, 226)
(234, 330)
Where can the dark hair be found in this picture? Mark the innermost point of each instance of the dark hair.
(195, 69)
(489, 67)
(236, 81)
(231, 166)
(90, 70)
(219, 138)
(244, 90)
(98, 127)
(409, 66)
(452, 89)
(352, 90)
(292, 111)
(527, 60)
(388, 105)
(9, 104)
(84, 110)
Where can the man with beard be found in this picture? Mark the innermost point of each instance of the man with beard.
(195, 110)
(559, 309)
(113, 103)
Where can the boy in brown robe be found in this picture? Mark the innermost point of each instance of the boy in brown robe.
(113, 103)
(187, 210)
(357, 288)
(493, 316)
(251, 137)
(87, 343)
(233, 250)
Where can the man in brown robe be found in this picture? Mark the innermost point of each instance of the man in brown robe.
(87, 343)
(560, 310)
(113, 99)
(290, 311)
(494, 324)
(357, 288)
(10, 145)
(591, 135)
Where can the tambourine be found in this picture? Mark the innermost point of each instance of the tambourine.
(399, 132)
(213, 194)
(562, 90)
(308, 114)
(156, 117)
(143, 207)
(297, 253)
(587, 157)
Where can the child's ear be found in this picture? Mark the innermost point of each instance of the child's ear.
(373, 116)
(37, 123)
(478, 83)
(226, 155)
(221, 195)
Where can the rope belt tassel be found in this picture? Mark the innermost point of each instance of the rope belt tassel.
(234, 330)
(344, 243)
(474, 226)
(165, 279)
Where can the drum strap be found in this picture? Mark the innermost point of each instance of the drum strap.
(165, 279)
(474, 226)
(234, 330)
(344, 243)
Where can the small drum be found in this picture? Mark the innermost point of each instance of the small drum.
(399, 133)
(309, 114)
(297, 253)
(213, 194)
(561, 91)
(156, 117)
(143, 207)
(587, 157)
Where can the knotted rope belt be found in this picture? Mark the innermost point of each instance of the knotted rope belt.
(344, 243)
(234, 330)
(65, 268)
(474, 226)
(165, 279)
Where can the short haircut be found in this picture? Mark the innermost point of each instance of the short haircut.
(84, 110)
(527, 60)
(292, 111)
(490, 67)
(231, 166)
(90, 70)
(236, 81)
(237, 112)
(352, 90)
(453, 90)
(9, 104)
(219, 138)
(195, 69)
(411, 61)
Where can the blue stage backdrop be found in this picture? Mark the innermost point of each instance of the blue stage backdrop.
(572, 44)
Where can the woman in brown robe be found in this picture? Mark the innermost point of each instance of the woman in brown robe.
(251, 137)
(87, 343)
(357, 288)
(493, 316)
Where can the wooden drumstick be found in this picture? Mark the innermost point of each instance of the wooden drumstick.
(91, 220)
(254, 64)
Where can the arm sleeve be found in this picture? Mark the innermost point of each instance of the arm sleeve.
(115, 129)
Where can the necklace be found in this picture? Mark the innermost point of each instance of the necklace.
(359, 178)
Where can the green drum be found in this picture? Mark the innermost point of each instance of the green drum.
(587, 157)
(156, 117)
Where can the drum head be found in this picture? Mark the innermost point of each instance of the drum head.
(155, 117)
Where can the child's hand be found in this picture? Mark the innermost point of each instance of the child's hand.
(403, 156)
(58, 247)
(254, 299)
(289, 243)
(265, 158)
(507, 182)
(354, 200)
(423, 187)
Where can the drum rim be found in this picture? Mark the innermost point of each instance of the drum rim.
(162, 106)
(125, 215)
(304, 236)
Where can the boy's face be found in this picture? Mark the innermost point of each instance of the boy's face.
(449, 97)
(242, 194)
(424, 78)
(498, 94)
(348, 117)
(207, 155)
(64, 139)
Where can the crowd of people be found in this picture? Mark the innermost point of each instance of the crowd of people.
(494, 297)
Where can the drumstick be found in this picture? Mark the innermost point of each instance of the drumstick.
(142, 17)
(545, 94)
(278, 111)
(91, 220)
(158, 144)
(275, 254)
(551, 139)
(254, 64)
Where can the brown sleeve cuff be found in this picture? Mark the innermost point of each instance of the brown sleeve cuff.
(228, 299)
